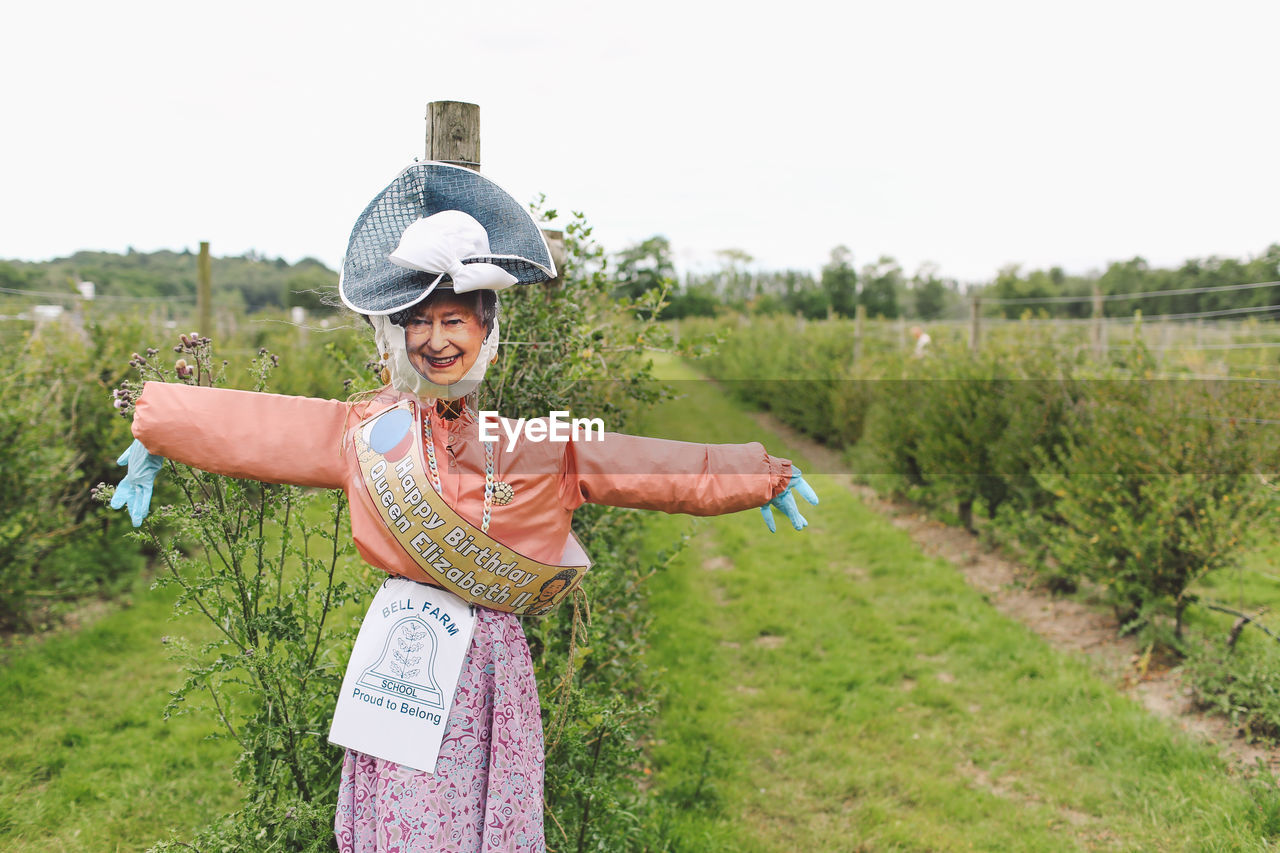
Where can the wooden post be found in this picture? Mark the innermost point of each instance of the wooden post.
(1099, 345)
(859, 329)
(974, 329)
(453, 136)
(298, 316)
(204, 292)
(453, 133)
(555, 242)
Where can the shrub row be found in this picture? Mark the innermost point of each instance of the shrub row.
(59, 435)
(1098, 472)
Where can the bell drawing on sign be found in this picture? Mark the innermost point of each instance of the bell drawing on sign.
(406, 667)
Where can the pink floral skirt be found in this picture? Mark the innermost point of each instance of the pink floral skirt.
(486, 792)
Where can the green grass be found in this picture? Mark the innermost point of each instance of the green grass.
(836, 689)
(89, 763)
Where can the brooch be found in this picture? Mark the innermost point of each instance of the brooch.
(503, 493)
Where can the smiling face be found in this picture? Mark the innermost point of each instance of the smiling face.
(443, 337)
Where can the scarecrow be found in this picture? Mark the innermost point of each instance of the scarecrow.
(439, 711)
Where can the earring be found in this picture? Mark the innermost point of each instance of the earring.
(385, 374)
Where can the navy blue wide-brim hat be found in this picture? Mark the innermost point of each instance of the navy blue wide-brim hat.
(372, 284)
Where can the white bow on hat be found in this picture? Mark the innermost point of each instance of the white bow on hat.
(438, 244)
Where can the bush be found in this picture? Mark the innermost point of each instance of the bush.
(964, 412)
(1140, 486)
(329, 362)
(1154, 487)
(802, 372)
(1241, 684)
(59, 436)
(895, 434)
(597, 697)
(293, 824)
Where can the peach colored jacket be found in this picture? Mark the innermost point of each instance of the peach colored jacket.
(299, 440)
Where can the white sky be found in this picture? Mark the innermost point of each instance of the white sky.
(971, 134)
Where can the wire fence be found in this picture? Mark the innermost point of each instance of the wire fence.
(1115, 297)
(64, 297)
(1217, 342)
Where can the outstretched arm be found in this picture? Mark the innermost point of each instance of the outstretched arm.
(672, 476)
(268, 437)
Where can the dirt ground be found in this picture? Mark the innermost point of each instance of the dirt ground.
(1063, 623)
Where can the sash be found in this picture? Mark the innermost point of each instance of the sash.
(451, 551)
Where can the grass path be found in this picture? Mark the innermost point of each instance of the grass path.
(88, 762)
(839, 690)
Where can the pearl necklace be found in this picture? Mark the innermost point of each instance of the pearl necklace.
(430, 445)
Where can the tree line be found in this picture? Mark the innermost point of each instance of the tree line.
(1198, 286)
(883, 287)
(886, 290)
(253, 282)
(250, 282)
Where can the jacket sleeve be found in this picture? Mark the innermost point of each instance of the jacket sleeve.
(255, 436)
(672, 476)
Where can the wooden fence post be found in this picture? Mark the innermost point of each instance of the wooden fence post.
(453, 136)
(453, 133)
(555, 242)
(298, 316)
(859, 329)
(204, 292)
(1099, 333)
(975, 303)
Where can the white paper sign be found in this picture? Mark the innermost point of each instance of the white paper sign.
(402, 675)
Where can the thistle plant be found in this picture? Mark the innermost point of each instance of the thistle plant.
(261, 564)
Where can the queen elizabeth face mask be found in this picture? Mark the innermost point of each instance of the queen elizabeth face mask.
(441, 349)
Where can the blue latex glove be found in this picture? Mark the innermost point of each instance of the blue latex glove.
(134, 490)
(786, 502)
